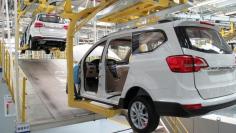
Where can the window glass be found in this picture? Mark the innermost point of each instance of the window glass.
(119, 50)
(51, 18)
(207, 40)
(147, 41)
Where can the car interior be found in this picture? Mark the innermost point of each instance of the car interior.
(117, 70)
(117, 61)
(91, 68)
(92, 73)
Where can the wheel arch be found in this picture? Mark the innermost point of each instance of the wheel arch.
(132, 93)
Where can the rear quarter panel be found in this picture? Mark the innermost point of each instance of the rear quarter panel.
(151, 72)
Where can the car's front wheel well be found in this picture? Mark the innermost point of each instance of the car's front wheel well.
(131, 94)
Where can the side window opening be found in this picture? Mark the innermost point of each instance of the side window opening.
(119, 50)
(147, 41)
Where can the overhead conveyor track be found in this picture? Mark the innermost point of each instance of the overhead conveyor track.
(135, 9)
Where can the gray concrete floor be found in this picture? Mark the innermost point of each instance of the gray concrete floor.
(46, 95)
(98, 126)
(7, 124)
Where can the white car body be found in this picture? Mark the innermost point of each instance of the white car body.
(211, 86)
(45, 33)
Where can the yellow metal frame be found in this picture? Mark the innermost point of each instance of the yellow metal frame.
(44, 7)
(229, 34)
(83, 17)
(140, 9)
(23, 105)
(7, 71)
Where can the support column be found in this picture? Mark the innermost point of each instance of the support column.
(69, 52)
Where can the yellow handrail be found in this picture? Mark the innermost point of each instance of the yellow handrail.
(23, 105)
(7, 63)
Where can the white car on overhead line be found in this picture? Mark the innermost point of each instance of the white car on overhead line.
(46, 31)
(176, 68)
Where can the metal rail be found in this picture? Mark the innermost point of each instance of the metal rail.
(153, 18)
(134, 9)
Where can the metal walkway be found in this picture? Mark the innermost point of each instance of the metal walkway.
(46, 97)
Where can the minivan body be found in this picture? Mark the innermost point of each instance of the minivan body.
(180, 68)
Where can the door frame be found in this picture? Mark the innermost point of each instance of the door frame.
(83, 92)
(101, 94)
(103, 91)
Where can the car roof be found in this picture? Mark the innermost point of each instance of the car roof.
(158, 26)
(145, 28)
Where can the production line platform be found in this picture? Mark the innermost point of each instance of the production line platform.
(46, 96)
